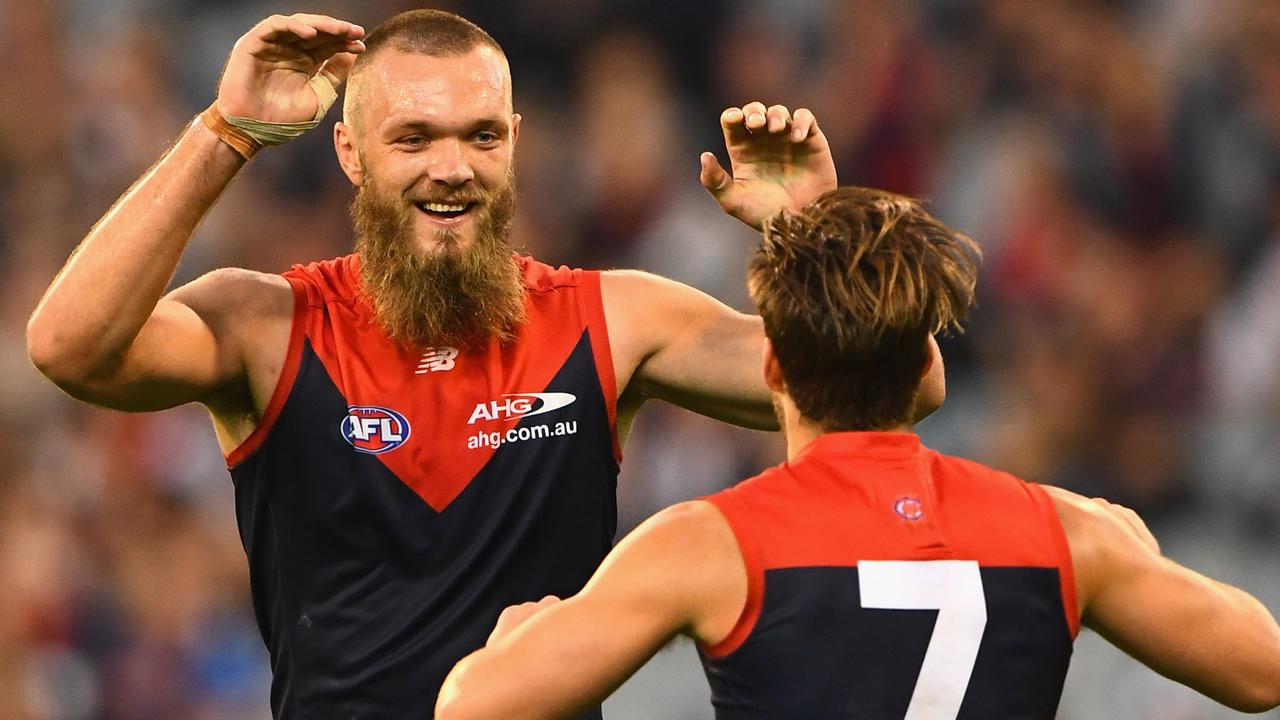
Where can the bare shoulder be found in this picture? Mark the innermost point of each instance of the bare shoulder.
(690, 540)
(248, 310)
(626, 279)
(236, 294)
(1105, 538)
(1072, 507)
(692, 521)
(689, 554)
(648, 313)
(632, 296)
(645, 292)
(642, 310)
(1097, 519)
(251, 314)
(634, 280)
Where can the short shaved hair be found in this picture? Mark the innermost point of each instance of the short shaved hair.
(437, 33)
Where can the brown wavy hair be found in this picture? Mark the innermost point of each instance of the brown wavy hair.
(850, 288)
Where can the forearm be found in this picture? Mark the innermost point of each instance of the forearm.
(1254, 655)
(1213, 637)
(680, 572)
(97, 304)
(489, 685)
(474, 691)
(559, 663)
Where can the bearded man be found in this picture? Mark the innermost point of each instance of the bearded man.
(428, 430)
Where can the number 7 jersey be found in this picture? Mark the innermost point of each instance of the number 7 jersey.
(888, 581)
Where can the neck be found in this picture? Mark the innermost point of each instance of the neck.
(799, 432)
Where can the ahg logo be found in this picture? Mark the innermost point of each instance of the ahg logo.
(518, 405)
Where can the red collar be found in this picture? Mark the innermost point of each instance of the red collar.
(878, 445)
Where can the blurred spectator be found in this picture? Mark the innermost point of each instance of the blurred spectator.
(1119, 161)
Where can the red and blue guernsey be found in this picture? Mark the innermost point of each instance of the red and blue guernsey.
(888, 581)
(392, 502)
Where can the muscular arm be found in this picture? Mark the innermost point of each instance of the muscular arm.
(687, 348)
(102, 331)
(1207, 635)
(680, 572)
(677, 344)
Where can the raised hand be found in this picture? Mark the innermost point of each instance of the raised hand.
(269, 67)
(779, 161)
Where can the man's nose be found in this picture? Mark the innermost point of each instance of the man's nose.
(449, 165)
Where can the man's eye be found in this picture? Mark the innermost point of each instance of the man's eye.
(413, 140)
(486, 136)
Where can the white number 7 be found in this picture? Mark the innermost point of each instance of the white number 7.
(954, 589)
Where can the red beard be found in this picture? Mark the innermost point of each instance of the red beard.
(454, 296)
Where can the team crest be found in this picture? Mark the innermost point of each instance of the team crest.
(909, 507)
(374, 430)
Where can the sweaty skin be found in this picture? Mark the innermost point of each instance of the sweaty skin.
(682, 573)
(106, 333)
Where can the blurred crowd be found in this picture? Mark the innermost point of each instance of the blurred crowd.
(1118, 161)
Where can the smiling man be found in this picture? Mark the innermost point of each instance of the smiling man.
(454, 91)
(427, 430)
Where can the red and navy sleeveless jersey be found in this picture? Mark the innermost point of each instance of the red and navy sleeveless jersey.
(888, 581)
(392, 501)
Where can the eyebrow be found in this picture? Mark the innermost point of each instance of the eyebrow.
(427, 127)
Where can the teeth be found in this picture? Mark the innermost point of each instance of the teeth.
(441, 207)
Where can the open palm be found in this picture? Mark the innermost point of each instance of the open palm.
(779, 162)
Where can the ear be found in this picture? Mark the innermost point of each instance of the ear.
(932, 356)
(772, 370)
(515, 128)
(344, 144)
(932, 391)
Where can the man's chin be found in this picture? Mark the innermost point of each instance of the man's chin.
(435, 243)
(448, 241)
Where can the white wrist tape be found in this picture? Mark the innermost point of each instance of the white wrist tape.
(277, 133)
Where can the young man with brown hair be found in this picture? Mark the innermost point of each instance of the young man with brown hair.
(868, 576)
(427, 430)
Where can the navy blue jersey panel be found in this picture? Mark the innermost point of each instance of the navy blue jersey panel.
(365, 595)
(816, 653)
(1026, 649)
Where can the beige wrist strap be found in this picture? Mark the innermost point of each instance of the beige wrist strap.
(240, 141)
(247, 136)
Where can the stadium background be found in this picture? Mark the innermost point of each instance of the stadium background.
(1119, 161)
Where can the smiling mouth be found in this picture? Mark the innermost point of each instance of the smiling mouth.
(444, 211)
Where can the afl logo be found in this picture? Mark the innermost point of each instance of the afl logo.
(909, 507)
(374, 430)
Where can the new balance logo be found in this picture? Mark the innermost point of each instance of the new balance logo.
(436, 360)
